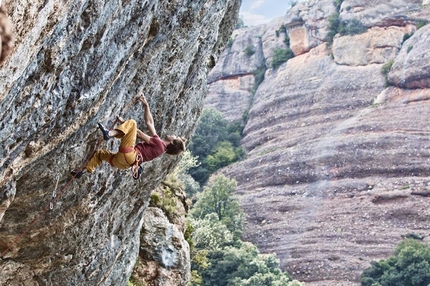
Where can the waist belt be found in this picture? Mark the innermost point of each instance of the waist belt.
(126, 150)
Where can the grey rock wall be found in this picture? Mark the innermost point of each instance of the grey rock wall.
(76, 63)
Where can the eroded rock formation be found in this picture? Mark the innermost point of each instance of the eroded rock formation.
(338, 167)
(76, 63)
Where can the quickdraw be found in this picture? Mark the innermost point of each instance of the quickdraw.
(54, 193)
(136, 169)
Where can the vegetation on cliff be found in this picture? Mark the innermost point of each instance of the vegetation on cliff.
(216, 143)
(217, 220)
(409, 265)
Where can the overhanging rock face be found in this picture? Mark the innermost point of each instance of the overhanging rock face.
(76, 63)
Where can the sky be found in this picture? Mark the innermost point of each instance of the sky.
(257, 12)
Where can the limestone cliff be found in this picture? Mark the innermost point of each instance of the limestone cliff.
(76, 63)
(338, 168)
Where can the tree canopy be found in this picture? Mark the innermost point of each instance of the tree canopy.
(409, 266)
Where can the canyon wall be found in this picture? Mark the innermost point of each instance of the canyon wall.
(338, 167)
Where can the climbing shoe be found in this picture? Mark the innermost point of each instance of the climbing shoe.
(104, 131)
(77, 174)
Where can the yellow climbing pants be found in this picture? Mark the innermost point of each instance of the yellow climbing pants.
(126, 155)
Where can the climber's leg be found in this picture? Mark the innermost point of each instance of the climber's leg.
(97, 159)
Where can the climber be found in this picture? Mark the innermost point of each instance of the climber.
(131, 155)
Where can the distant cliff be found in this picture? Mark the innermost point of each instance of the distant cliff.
(338, 137)
(76, 63)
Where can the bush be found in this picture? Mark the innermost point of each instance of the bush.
(249, 51)
(409, 265)
(421, 23)
(230, 43)
(386, 67)
(351, 27)
(280, 56)
(348, 27)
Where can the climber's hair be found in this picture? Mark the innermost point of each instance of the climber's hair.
(176, 147)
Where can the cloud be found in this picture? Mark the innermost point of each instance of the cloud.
(257, 4)
(252, 19)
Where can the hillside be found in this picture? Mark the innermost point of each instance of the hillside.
(76, 63)
(338, 152)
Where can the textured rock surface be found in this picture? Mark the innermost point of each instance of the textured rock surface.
(164, 255)
(76, 63)
(6, 35)
(339, 163)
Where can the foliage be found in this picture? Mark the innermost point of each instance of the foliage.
(421, 23)
(409, 265)
(280, 56)
(407, 36)
(287, 40)
(210, 233)
(217, 198)
(338, 3)
(180, 178)
(249, 50)
(217, 220)
(351, 27)
(167, 202)
(188, 235)
(224, 155)
(386, 69)
(230, 43)
(214, 143)
(281, 29)
(243, 265)
(347, 27)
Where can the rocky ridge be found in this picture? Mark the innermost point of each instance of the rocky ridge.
(338, 168)
(76, 63)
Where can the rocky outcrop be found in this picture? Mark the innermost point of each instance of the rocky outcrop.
(76, 63)
(164, 254)
(337, 167)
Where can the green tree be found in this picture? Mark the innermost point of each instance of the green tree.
(409, 266)
(218, 198)
(224, 155)
(211, 139)
(244, 266)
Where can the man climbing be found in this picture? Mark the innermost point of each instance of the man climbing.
(129, 154)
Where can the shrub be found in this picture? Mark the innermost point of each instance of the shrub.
(280, 56)
(409, 265)
(348, 27)
(338, 3)
(421, 23)
(351, 27)
(230, 43)
(386, 67)
(249, 50)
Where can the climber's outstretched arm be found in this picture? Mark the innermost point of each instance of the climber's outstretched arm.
(143, 136)
(149, 120)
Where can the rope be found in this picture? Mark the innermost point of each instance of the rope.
(55, 198)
